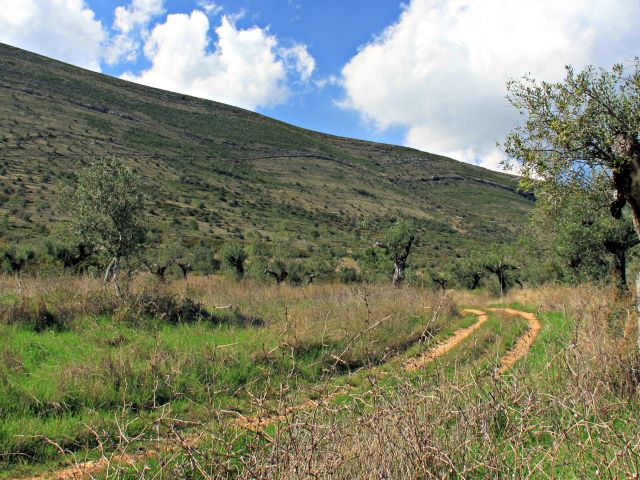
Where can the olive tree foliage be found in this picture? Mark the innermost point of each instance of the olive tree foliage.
(71, 254)
(107, 210)
(469, 271)
(500, 262)
(160, 258)
(14, 259)
(396, 243)
(579, 130)
(440, 279)
(375, 264)
(279, 270)
(578, 233)
(234, 256)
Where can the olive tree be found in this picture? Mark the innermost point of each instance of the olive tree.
(580, 129)
(499, 263)
(71, 254)
(159, 258)
(106, 209)
(586, 241)
(397, 242)
(469, 271)
(234, 256)
(279, 270)
(13, 260)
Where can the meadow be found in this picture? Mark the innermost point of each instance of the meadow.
(213, 378)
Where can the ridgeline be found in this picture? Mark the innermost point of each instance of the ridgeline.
(216, 171)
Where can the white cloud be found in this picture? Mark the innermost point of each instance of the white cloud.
(332, 80)
(299, 59)
(132, 24)
(440, 70)
(211, 8)
(137, 14)
(244, 68)
(62, 29)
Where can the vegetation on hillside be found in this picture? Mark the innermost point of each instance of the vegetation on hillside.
(216, 173)
(254, 332)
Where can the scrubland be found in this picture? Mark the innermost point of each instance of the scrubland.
(212, 378)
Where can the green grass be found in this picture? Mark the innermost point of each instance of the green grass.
(562, 409)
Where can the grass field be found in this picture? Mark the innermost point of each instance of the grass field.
(308, 382)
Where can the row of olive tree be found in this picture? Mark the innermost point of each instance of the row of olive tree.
(579, 144)
(108, 217)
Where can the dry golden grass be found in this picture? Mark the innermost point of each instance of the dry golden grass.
(569, 410)
(326, 313)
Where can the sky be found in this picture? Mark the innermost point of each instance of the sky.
(428, 74)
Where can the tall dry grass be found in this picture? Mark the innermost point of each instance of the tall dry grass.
(46, 303)
(390, 319)
(571, 411)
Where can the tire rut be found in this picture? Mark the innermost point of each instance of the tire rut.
(446, 345)
(259, 422)
(524, 343)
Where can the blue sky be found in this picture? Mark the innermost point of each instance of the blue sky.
(333, 30)
(424, 73)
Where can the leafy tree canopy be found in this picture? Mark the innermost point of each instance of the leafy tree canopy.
(234, 256)
(107, 208)
(579, 131)
(397, 238)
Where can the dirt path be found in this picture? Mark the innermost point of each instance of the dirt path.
(259, 422)
(90, 469)
(446, 345)
(522, 346)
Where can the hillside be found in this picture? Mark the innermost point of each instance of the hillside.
(217, 171)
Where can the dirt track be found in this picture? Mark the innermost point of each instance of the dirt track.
(258, 422)
(89, 469)
(522, 346)
(447, 345)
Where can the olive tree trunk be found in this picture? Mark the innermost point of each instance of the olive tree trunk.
(620, 271)
(398, 272)
(112, 275)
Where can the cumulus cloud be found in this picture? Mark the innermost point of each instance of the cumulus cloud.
(299, 59)
(138, 13)
(332, 80)
(62, 29)
(440, 71)
(244, 68)
(131, 24)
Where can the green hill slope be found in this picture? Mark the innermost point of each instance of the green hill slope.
(217, 171)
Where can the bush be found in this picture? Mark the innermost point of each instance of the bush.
(58, 310)
(158, 305)
(162, 306)
(350, 275)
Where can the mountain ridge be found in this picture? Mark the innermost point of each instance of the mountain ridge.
(219, 171)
